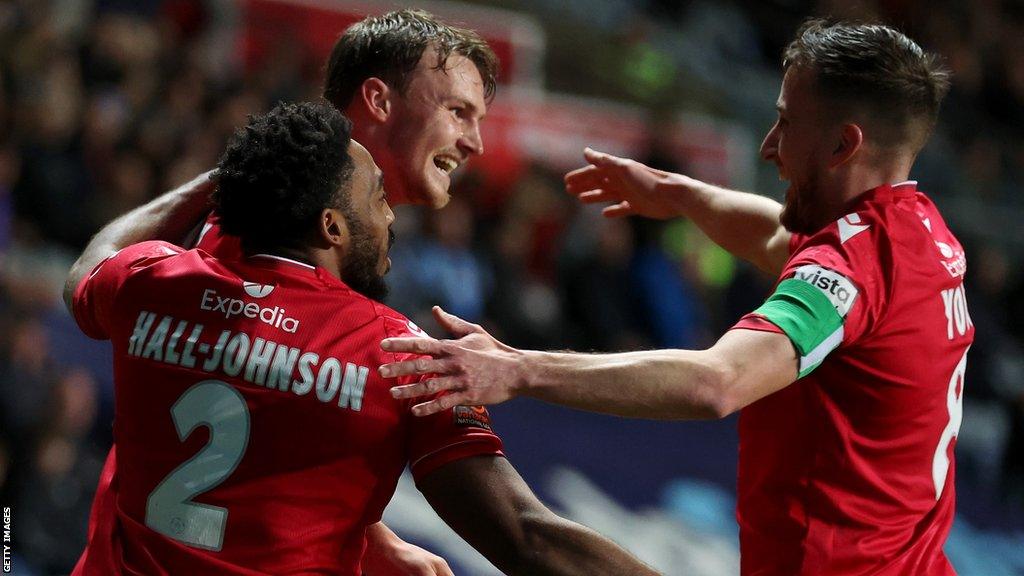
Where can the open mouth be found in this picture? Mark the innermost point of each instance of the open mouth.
(446, 164)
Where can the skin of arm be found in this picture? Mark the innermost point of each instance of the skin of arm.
(388, 555)
(747, 225)
(742, 367)
(489, 505)
(169, 217)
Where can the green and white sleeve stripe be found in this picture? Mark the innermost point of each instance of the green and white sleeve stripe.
(808, 317)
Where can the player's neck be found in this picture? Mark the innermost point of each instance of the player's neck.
(858, 179)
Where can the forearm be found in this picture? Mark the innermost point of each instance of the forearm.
(744, 224)
(169, 217)
(487, 503)
(559, 546)
(659, 384)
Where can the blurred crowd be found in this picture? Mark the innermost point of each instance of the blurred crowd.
(104, 104)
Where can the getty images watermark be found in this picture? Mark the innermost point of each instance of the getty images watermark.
(7, 539)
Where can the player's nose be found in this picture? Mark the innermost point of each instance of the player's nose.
(471, 142)
(770, 145)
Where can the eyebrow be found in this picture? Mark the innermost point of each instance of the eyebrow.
(380, 182)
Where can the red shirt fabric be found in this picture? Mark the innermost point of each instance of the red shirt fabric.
(849, 470)
(247, 391)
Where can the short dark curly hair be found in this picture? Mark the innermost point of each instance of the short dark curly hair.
(875, 70)
(390, 47)
(280, 171)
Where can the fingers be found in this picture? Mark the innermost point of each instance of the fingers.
(446, 402)
(596, 196)
(427, 346)
(425, 388)
(412, 367)
(600, 158)
(452, 323)
(586, 178)
(618, 210)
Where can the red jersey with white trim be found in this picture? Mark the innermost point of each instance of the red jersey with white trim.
(254, 434)
(849, 470)
(212, 240)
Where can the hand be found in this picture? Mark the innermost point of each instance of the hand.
(631, 187)
(404, 559)
(388, 555)
(474, 370)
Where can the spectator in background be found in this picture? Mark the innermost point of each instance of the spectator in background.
(58, 489)
(444, 266)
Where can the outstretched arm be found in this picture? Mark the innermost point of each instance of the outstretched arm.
(747, 225)
(169, 217)
(489, 505)
(742, 367)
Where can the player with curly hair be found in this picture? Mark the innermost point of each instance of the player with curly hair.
(254, 434)
(416, 90)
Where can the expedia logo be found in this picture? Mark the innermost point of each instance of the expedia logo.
(230, 307)
(839, 290)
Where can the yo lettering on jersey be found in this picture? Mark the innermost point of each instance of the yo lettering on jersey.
(958, 319)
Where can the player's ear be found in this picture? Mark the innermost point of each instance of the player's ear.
(851, 137)
(333, 229)
(376, 96)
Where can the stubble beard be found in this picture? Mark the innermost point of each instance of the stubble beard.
(800, 212)
(359, 271)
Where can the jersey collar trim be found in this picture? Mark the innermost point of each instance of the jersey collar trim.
(298, 269)
(283, 259)
(894, 192)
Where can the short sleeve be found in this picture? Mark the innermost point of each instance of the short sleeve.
(438, 439)
(831, 292)
(454, 434)
(93, 304)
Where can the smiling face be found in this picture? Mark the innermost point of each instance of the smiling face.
(432, 129)
(799, 145)
(369, 219)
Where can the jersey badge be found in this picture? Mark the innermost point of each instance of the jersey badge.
(839, 290)
(475, 416)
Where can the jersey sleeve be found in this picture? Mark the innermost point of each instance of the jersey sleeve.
(831, 292)
(450, 435)
(93, 303)
(215, 242)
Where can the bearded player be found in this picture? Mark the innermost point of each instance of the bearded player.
(849, 378)
(253, 435)
(416, 90)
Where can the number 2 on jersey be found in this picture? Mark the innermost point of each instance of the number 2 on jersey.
(169, 508)
(955, 406)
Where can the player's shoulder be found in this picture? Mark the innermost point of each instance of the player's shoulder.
(394, 324)
(142, 255)
(858, 235)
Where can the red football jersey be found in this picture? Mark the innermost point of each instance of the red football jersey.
(215, 242)
(253, 433)
(849, 470)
